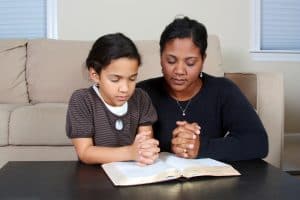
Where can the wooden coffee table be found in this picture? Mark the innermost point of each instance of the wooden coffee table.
(74, 180)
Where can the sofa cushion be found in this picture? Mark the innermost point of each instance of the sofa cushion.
(213, 61)
(36, 153)
(5, 110)
(150, 67)
(40, 124)
(55, 68)
(247, 82)
(12, 70)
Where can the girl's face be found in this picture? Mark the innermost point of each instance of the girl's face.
(117, 81)
(182, 63)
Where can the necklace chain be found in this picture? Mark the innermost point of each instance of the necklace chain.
(185, 108)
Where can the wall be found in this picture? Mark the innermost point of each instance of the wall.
(144, 20)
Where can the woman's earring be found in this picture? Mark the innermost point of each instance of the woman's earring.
(201, 75)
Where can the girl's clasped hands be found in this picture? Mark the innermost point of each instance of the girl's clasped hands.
(145, 148)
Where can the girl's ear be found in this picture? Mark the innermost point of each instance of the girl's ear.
(94, 76)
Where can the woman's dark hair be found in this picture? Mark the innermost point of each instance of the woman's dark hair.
(110, 47)
(185, 28)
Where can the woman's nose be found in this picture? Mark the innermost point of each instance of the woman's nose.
(180, 68)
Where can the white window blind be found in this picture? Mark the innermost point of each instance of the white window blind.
(275, 30)
(27, 19)
(280, 25)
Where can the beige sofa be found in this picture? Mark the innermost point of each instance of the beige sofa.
(37, 78)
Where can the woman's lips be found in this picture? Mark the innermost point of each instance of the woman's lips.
(178, 81)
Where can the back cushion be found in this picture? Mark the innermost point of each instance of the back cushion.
(12, 71)
(149, 50)
(55, 68)
(247, 83)
(213, 61)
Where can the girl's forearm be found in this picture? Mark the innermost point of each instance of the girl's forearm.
(96, 155)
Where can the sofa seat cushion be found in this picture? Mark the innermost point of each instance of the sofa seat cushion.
(5, 110)
(40, 124)
(12, 69)
(36, 153)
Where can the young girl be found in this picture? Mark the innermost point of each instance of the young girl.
(112, 121)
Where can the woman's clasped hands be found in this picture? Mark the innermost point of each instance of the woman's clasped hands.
(186, 139)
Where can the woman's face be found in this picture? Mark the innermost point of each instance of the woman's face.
(182, 63)
(117, 81)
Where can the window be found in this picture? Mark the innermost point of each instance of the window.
(276, 28)
(28, 19)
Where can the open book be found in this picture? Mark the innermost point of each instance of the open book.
(167, 167)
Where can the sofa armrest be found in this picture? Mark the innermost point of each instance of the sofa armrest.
(269, 103)
(270, 107)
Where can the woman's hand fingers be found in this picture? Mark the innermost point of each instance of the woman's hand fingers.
(186, 130)
(182, 131)
(186, 140)
(179, 151)
(181, 123)
(194, 127)
(185, 137)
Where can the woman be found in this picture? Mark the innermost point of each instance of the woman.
(200, 115)
(112, 121)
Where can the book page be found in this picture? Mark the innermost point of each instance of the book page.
(130, 173)
(199, 167)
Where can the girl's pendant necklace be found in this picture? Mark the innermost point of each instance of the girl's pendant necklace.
(119, 124)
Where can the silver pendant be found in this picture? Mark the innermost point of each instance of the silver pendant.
(119, 124)
(185, 108)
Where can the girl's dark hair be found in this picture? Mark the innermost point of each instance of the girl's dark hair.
(110, 47)
(185, 28)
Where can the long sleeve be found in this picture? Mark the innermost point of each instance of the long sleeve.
(245, 136)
